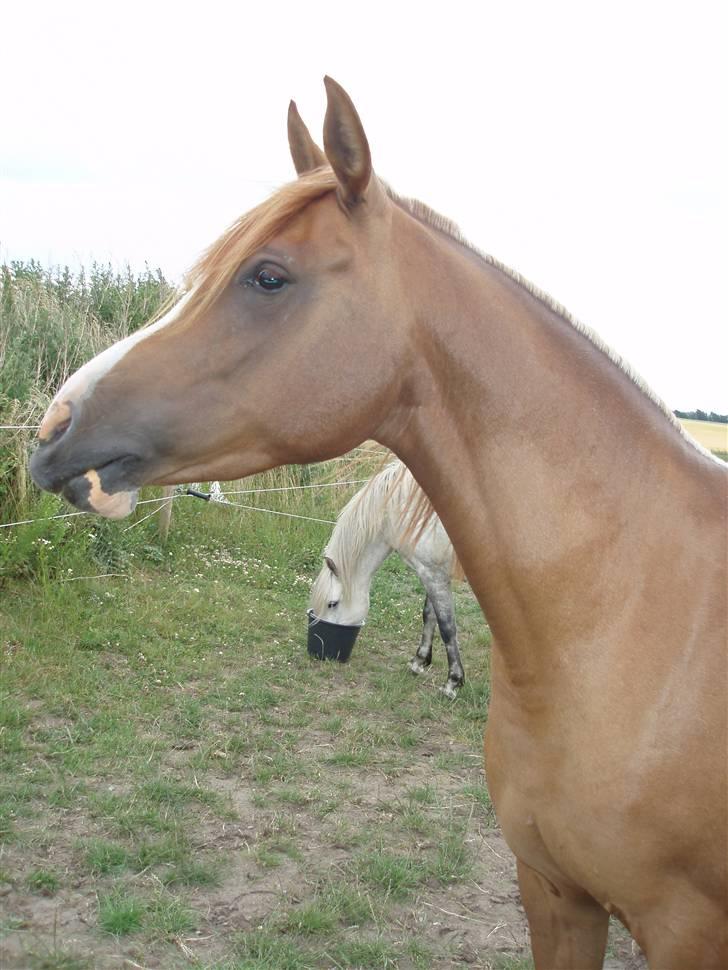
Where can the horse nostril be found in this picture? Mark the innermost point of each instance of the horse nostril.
(55, 424)
(59, 430)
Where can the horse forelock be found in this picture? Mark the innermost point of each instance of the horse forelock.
(321, 591)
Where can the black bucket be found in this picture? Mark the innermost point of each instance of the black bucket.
(331, 641)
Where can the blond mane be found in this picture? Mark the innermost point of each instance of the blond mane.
(423, 213)
(356, 525)
(361, 520)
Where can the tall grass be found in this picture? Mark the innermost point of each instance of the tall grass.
(51, 322)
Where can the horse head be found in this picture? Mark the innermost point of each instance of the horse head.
(286, 345)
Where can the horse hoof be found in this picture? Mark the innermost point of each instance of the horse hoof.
(416, 666)
(449, 691)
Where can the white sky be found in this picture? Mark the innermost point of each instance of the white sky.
(583, 144)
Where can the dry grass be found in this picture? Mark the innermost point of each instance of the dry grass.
(709, 434)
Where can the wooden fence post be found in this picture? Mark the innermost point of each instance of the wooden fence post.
(165, 516)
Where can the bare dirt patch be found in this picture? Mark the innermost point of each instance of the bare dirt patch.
(247, 807)
(474, 921)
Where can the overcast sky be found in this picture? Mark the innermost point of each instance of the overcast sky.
(583, 144)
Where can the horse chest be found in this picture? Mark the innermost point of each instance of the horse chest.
(546, 793)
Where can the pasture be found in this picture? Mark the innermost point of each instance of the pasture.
(180, 785)
(710, 434)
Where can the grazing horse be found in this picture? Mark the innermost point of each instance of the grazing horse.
(372, 524)
(592, 530)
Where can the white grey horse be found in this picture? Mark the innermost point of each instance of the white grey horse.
(371, 526)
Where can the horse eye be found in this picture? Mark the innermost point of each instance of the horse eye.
(266, 280)
(333, 604)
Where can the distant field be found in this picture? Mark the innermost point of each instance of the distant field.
(710, 434)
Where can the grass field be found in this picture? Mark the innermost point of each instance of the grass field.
(710, 434)
(181, 783)
(181, 786)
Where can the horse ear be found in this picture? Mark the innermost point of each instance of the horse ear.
(346, 145)
(305, 152)
(332, 565)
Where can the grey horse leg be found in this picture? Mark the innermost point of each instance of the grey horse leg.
(439, 591)
(448, 631)
(423, 658)
(439, 610)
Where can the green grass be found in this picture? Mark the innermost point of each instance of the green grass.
(318, 918)
(453, 861)
(44, 882)
(168, 915)
(120, 912)
(361, 758)
(417, 821)
(273, 852)
(191, 871)
(423, 795)
(395, 875)
(480, 796)
(368, 954)
(101, 857)
(58, 959)
(169, 750)
(196, 759)
(262, 950)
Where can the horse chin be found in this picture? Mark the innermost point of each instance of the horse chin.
(117, 506)
(86, 492)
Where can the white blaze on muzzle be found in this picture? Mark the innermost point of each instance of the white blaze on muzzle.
(81, 384)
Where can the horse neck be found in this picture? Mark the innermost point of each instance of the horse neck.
(543, 458)
(359, 581)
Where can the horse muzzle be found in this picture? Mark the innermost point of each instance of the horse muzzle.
(107, 488)
(331, 641)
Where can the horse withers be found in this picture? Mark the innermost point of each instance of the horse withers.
(592, 529)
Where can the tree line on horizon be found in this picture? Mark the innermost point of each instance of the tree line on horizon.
(702, 416)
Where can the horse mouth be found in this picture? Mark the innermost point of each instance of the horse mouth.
(88, 493)
(108, 489)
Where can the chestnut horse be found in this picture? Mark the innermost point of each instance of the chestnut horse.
(592, 530)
